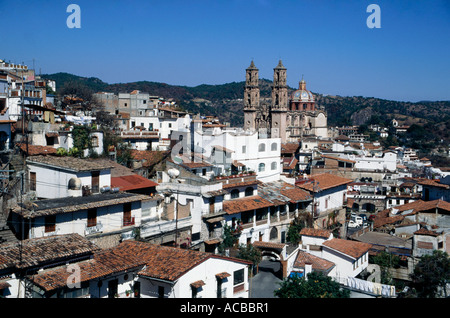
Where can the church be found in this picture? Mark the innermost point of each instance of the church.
(288, 116)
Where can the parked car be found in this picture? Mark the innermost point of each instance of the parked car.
(357, 219)
(352, 224)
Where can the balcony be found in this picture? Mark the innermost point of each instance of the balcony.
(128, 221)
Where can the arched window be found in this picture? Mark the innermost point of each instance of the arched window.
(248, 191)
(262, 147)
(274, 146)
(273, 165)
(261, 167)
(235, 194)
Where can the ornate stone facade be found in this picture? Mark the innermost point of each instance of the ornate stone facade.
(288, 117)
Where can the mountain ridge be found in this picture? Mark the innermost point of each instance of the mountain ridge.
(225, 101)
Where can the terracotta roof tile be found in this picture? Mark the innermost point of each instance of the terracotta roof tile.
(69, 163)
(35, 150)
(318, 263)
(351, 248)
(268, 244)
(245, 204)
(315, 232)
(167, 263)
(131, 182)
(322, 181)
(43, 250)
(62, 205)
(104, 263)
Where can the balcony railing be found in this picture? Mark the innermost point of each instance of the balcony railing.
(128, 222)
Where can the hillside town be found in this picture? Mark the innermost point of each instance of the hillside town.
(127, 195)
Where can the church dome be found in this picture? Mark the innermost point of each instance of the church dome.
(302, 94)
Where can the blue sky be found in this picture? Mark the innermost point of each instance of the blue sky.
(194, 42)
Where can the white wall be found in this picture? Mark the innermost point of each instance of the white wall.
(205, 271)
(251, 156)
(52, 182)
(110, 218)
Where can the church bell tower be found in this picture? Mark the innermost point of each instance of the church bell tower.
(279, 107)
(251, 97)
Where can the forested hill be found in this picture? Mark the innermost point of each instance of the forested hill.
(225, 101)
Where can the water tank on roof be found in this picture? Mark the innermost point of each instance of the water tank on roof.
(74, 184)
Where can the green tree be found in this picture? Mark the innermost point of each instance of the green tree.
(317, 285)
(228, 239)
(431, 274)
(301, 221)
(81, 139)
(250, 253)
(386, 261)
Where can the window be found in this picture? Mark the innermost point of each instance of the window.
(235, 194)
(32, 181)
(91, 217)
(273, 166)
(274, 146)
(261, 167)
(160, 291)
(50, 223)
(244, 149)
(262, 147)
(127, 219)
(94, 141)
(238, 277)
(95, 181)
(248, 191)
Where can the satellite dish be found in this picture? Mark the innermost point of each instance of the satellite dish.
(173, 173)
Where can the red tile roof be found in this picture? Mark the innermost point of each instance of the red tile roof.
(318, 263)
(423, 206)
(132, 182)
(322, 181)
(434, 183)
(245, 204)
(44, 250)
(104, 263)
(315, 232)
(34, 150)
(350, 248)
(167, 263)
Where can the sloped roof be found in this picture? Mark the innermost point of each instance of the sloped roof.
(104, 263)
(34, 252)
(164, 262)
(321, 182)
(315, 232)
(350, 248)
(318, 263)
(69, 163)
(63, 205)
(132, 182)
(245, 204)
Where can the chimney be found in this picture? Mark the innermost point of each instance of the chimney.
(308, 269)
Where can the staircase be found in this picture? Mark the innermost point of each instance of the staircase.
(6, 235)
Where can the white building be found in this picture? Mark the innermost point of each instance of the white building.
(59, 177)
(143, 270)
(178, 273)
(329, 194)
(232, 149)
(350, 258)
(93, 216)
